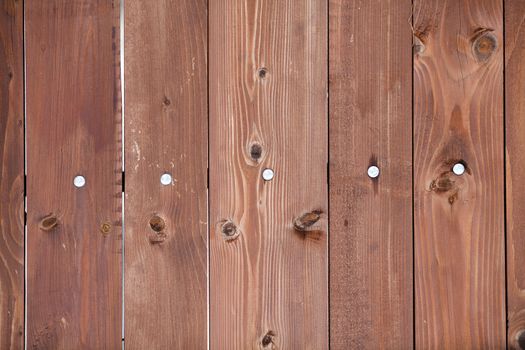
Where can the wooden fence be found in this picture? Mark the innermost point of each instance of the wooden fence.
(262, 174)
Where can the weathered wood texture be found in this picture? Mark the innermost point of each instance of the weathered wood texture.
(459, 220)
(12, 175)
(370, 219)
(166, 118)
(73, 128)
(515, 148)
(268, 109)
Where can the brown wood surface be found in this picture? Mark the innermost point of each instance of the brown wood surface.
(515, 151)
(371, 303)
(12, 175)
(268, 109)
(459, 220)
(73, 128)
(166, 132)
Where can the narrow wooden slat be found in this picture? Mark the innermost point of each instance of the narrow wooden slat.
(268, 239)
(12, 176)
(459, 219)
(73, 128)
(371, 300)
(165, 132)
(515, 148)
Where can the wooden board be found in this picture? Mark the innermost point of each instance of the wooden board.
(166, 132)
(73, 128)
(371, 304)
(515, 162)
(459, 219)
(268, 239)
(12, 178)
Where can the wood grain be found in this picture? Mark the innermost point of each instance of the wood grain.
(371, 300)
(166, 132)
(268, 109)
(515, 163)
(12, 175)
(73, 128)
(459, 220)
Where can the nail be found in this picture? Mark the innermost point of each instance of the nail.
(267, 174)
(458, 169)
(373, 172)
(166, 179)
(79, 181)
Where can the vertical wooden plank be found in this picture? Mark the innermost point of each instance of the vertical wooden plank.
(371, 304)
(12, 176)
(166, 132)
(459, 219)
(73, 128)
(515, 151)
(268, 239)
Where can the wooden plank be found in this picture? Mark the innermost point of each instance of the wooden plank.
(73, 128)
(166, 118)
(515, 163)
(12, 178)
(371, 303)
(268, 239)
(459, 219)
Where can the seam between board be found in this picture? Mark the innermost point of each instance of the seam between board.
(505, 227)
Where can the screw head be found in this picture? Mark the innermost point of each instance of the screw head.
(373, 171)
(79, 181)
(166, 179)
(267, 174)
(458, 169)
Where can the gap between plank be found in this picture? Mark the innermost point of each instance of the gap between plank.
(208, 342)
(413, 197)
(505, 183)
(24, 70)
(123, 163)
(328, 169)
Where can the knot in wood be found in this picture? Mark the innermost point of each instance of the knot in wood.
(105, 228)
(157, 223)
(419, 45)
(442, 184)
(307, 220)
(256, 151)
(520, 339)
(267, 340)
(48, 223)
(158, 238)
(262, 72)
(229, 230)
(484, 45)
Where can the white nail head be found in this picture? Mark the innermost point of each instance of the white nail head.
(166, 179)
(79, 181)
(458, 169)
(267, 174)
(373, 171)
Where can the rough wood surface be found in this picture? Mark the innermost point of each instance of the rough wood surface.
(166, 132)
(12, 175)
(268, 109)
(459, 220)
(515, 148)
(73, 128)
(370, 219)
